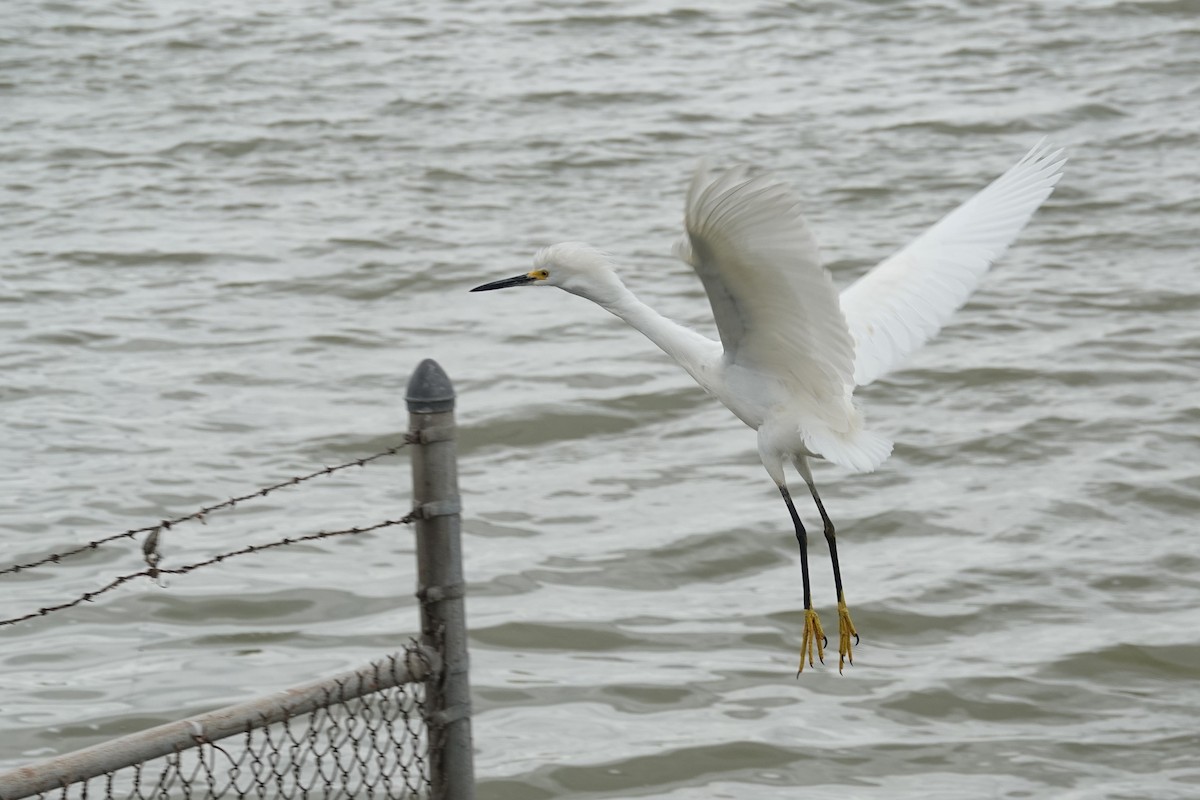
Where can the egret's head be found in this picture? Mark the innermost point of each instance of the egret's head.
(576, 267)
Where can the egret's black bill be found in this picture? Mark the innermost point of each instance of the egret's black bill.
(519, 280)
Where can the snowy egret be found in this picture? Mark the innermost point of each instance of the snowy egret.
(792, 350)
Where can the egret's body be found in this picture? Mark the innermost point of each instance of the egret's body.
(792, 349)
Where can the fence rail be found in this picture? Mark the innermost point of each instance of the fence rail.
(413, 665)
(398, 727)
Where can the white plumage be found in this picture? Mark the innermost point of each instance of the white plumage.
(792, 349)
(904, 301)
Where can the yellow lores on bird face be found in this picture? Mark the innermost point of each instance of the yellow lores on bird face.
(538, 274)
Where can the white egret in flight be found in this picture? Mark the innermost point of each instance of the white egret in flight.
(792, 349)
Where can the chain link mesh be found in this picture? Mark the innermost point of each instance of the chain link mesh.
(375, 745)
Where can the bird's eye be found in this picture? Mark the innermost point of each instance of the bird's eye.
(539, 274)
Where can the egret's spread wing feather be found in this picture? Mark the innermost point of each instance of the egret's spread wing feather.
(775, 306)
(897, 306)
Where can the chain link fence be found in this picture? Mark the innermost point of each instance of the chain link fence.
(360, 734)
(396, 728)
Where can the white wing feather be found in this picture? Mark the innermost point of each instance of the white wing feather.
(897, 306)
(777, 311)
(775, 306)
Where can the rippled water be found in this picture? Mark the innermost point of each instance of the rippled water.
(231, 230)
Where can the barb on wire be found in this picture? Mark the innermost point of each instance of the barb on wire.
(153, 571)
(165, 525)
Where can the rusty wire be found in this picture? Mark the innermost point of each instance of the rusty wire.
(167, 524)
(153, 570)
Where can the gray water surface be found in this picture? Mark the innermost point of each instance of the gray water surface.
(230, 231)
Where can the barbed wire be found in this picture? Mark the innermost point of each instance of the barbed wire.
(153, 571)
(167, 524)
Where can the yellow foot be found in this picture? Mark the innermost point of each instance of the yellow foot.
(845, 633)
(813, 642)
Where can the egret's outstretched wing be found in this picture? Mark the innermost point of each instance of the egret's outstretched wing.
(775, 305)
(897, 306)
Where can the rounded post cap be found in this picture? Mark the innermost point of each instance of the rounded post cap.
(429, 389)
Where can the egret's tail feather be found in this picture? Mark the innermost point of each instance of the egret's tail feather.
(861, 451)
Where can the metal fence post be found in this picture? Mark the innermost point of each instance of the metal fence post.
(441, 587)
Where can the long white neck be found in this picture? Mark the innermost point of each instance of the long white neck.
(694, 351)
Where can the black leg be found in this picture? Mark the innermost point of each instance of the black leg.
(813, 641)
(802, 540)
(845, 625)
